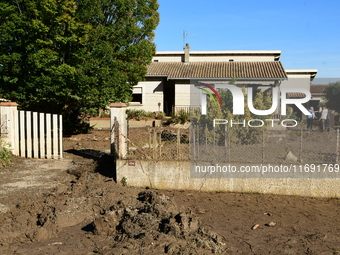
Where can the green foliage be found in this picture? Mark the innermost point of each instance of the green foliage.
(123, 181)
(332, 94)
(292, 115)
(180, 117)
(139, 114)
(160, 116)
(143, 115)
(69, 57)
(247, 134)
(136, 114)
(214, 111)
(240, 134)
(5, 154)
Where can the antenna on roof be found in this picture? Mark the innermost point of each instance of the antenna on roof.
(185, 36)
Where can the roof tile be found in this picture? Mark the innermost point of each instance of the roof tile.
(240, 70)
(317, 88)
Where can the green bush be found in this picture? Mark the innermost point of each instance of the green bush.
(181, 117)
(160, 116)
(143, 115)
(136, 114)
(5, 154)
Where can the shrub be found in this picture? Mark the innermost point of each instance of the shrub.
(143, 115)
(181, 117)
(5, 154)
(160, 116)
(136, 114)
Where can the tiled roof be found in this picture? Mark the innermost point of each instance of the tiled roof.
(296, 95)
(240, 70)
(317, 88)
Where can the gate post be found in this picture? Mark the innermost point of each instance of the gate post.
(118, 130)
(9, 130)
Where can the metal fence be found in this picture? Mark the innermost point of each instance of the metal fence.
(158, 143)
(271, 146)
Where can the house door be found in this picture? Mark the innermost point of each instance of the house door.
(169, 97)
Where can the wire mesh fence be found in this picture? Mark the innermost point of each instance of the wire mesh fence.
(271, 146)
(158, 143)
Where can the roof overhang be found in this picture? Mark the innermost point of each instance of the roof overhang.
(311, 72)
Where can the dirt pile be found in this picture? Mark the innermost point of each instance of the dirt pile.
(155, 225)
(131, 221)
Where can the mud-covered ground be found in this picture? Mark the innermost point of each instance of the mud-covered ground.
(74, 206)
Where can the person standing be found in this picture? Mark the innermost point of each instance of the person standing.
(310, 118)
(324, 119)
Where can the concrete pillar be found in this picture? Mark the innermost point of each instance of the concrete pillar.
(118, 130)
(9, 125)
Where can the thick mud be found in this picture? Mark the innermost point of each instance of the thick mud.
(74, 206)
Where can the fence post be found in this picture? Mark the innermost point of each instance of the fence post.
(337, 146)
(178, 142)
(193, 136)
(160, 145)
(118, 113)
(263, 155)
(301, 140)
(229, 146)
(226, 139)
(154, 143)
(198, 141)
(206, 136)
(9, 125)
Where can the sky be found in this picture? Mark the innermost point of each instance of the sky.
(307, 32)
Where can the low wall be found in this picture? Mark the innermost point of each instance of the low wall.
(176, 175)
(104, 123)
(100, 123)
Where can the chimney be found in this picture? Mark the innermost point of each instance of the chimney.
(187, 53)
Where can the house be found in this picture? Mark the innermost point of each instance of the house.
(167, 83)
(318, 94)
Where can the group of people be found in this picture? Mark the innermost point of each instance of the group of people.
(322, 115)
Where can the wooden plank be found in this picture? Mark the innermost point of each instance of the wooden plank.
(16, 133)
(60, 136)
(42, 135)
(55, 135)
(35, 135)
(22, 149)
(29, 134)
(48, 136)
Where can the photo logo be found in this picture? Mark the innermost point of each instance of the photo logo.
(203, 87)
(238, 99)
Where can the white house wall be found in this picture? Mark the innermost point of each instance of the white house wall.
(297, 81)
(177, 58)
(198, 58)
(182, 95)
(230, 58)
(152, 94)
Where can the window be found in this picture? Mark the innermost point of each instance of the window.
(137, 95)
